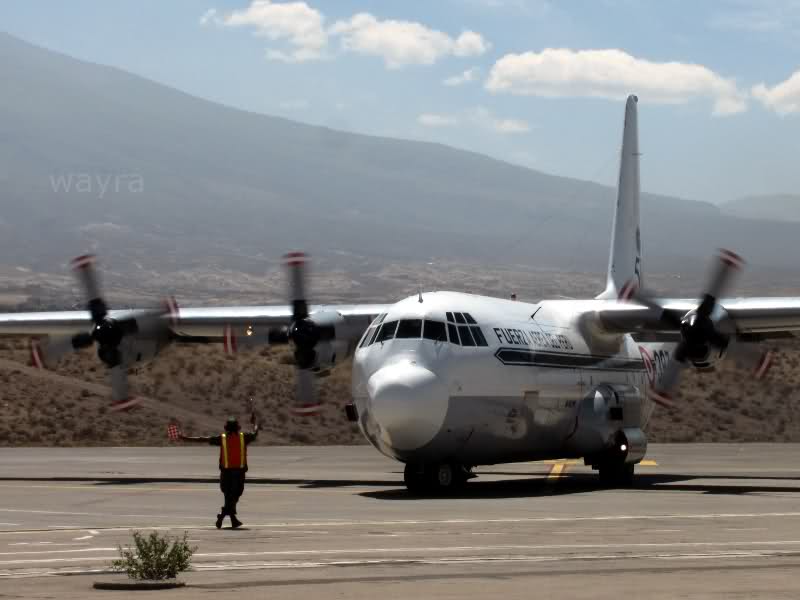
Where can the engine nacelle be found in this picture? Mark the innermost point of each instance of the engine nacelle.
(609, 419)
(336, 338)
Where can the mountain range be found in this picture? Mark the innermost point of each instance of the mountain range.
(95, 158)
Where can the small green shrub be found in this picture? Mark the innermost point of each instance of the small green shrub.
(154, 556)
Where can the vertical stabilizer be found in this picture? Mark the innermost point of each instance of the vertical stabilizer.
(625, 261)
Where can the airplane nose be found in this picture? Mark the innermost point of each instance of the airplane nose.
(409, 404)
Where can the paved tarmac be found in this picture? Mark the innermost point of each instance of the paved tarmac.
(703, 521)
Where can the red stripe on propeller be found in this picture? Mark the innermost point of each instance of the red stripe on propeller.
(125, 404)
(764, 364)
(295, 258)
(36, 356)
(661, 399)
(84, 261)
(731, 258)
(307, 410)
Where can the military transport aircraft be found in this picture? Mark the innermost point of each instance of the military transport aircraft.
(446, 381)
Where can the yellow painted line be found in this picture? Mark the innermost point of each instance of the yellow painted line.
(556, 471)
(648, 463)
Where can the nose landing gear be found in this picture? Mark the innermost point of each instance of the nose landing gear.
(435, 478)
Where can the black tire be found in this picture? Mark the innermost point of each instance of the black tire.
(414, 478)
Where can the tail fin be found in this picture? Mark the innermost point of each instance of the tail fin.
(625, 261)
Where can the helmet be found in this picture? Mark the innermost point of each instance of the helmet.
(232, 425)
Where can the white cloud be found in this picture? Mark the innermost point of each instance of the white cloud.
(303, 35)
(612, 74)
(401, 43)
(467, 76)
(434, 120)
(484, 118)
(783, 98)
(296, 24)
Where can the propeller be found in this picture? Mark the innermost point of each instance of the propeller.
(113, 337)
(701, 333)
(305, 333)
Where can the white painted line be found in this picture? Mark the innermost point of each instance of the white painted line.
(76, 550)
(252, 565)
(465, 521)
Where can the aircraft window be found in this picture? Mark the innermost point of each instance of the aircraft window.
(434, 330)
(451, 329)
(469, 319)
(478, 335)
(459, 318)
(367, 336)
(386, 332)
(466, 336)
(409, 328)
(373, 335)
(450, 317)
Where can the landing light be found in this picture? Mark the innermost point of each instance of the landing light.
(623, 447)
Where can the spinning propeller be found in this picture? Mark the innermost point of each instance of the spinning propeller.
(305, 333)
(114, 338)
(703, 332)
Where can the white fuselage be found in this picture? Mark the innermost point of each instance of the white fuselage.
(518, 394)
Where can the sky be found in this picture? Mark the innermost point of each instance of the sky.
(540, 83)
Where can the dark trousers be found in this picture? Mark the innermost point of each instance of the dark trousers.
(231, 482)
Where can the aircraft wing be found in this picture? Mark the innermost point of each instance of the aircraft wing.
(208, 323)
(753, 318)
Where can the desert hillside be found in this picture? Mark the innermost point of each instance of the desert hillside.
(199, 386)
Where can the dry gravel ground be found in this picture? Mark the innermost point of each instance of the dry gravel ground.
(200, 386)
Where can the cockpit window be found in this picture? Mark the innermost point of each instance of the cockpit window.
(469, 319)
(451, 329)
(449, 317)
(434, 330)
(409, 328)
(373, 335)
(459, 318)
(386, 331)
(477, 334)
(465, 335)
(367, 335)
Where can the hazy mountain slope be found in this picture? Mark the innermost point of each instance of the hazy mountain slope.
(214, 184)
(784, 207)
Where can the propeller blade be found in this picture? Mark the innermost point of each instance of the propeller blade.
(120, 393)
(663, 392)
(752, 358)
(50, 350)
(296, 263)
(156, 322)
(727, 265)
(306, 404)
(631, 292)
(84, 267)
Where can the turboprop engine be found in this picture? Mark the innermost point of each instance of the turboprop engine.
(608, 425)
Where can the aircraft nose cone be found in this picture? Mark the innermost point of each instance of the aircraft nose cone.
(409, 404)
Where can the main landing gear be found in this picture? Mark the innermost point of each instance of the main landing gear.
(437, 478)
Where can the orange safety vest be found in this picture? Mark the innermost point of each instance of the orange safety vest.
(233, 452)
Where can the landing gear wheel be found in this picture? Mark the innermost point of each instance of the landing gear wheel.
(437, 478)
(414, 478)
(616, 475)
